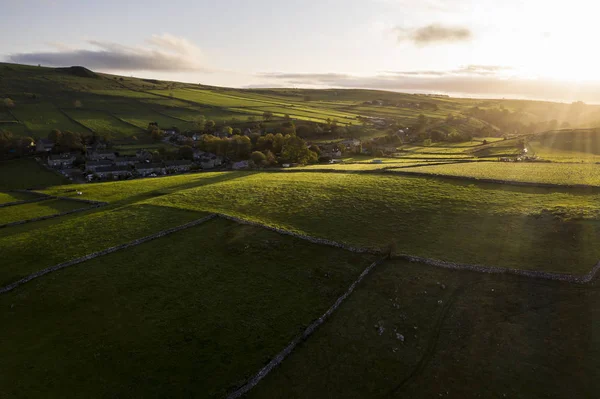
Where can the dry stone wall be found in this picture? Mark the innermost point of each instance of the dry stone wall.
(107, 251)
(307, 333)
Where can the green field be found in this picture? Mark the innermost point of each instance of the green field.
(34, 210)
(567, 145)
(170, 317)
(526, 228)
(27, 173)
(8, 197)
(103, 123)
(41, 118)
(545, 173)
(491, 336)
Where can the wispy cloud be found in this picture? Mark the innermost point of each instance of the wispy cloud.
(163, 53)
(432, 34)
(470, 80)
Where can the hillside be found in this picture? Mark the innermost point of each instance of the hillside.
(80, 100)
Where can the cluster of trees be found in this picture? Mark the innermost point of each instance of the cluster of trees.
(14, 146)
(68, 141)
(519, 122)
(274, 148)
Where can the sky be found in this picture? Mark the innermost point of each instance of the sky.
(538, 49)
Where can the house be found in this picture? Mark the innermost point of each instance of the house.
(91, 166)
(241, 165)
(44, 145)
(115, 171)
(61, 161)
(386, 149)
(143, 155)
(199, 154)
(350, 143)
(146, 169)
(209, 161)
(97, 155)
(125, 161)
(169, 132)
(178, 166)
(197, 137)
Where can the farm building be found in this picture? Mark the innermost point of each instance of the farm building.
(102, 154)
(114, 171)
(92, 166)
(61, 161)
(178, 166)
(44, 145)
(146, 169)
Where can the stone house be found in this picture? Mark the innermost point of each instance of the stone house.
(114, 171)
(178, 166)
(126, 160)
(61, 161)
(146, 169)
(44, 145)
(97, 155)
(92, 166)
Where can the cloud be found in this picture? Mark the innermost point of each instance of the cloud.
(165, 53)
(469, 81)
(434, 33)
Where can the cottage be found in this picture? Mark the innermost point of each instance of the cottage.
(126, 160)
(143, 155)
(178, 166)
(61, 161)
(44, 145)
(241, 165)
(102, 154)
(115, 171)
(91, 166)
(146, 169)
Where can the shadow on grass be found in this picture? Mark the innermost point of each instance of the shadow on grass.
(198, 182)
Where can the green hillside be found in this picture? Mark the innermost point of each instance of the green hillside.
(79, 100)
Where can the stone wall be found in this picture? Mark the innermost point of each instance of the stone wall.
(107, 251)
(262, 373)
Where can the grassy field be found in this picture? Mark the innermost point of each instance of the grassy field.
(490, 224)
(548, 173)
(567, 145)
(41, 118)
(170, 317)
(15, 196)
(37, 209)
(104, 123)
(26, 173)
(491, 336)
(69, 237)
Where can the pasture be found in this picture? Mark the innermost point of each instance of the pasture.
(526, 172)
(171, 317)
(26, 173)
(34, 210)
(466, 222)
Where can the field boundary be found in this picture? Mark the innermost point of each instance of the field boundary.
(41, 197)
(107, 251)
(55, 215)
(571, 278)
(280, 357)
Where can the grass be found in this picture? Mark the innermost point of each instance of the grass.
(37, 209)
(581, 145)
(490, 336)
(168, 318)
(36, 246)
(41, 118)
(15, 196)
(490, 224)
(26, 173)
(547, 173)
(104, 123)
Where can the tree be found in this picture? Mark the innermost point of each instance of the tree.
(157, 135)
(270, 158)
(77, 104)
(267, 115)
(237, 131)
(199, 122)
(295, 150)
(427, 142)
(210, 125)
(258, 158)
(54, 136)
(228, 130)
(186, 152)
(8, 103)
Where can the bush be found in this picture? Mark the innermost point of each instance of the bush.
(258, 158)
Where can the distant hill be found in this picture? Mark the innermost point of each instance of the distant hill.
(78, 99)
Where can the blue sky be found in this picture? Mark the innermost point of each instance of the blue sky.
(510, 48)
